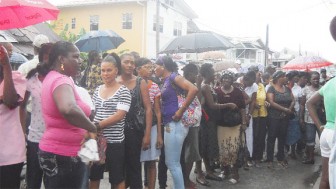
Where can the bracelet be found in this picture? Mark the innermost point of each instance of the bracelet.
(97, 126)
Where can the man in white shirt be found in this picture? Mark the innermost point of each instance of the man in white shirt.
(39, 40)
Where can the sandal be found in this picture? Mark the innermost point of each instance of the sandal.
(270, 165)
(308, 161)
(213, 177)
(283, 164)
(192, 185)
(202, 182)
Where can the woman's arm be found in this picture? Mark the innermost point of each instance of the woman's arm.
(10, 97)
(292, 104)
(209, 101)
(302, 109)
(247, 99)
(112, 120)
(157, 111)
(199, 81)
(243, 115)
(149, 117)
(23, 111)
(312, 106)
(191, 93)
(270, 99)
(252, 104)
(64, 99)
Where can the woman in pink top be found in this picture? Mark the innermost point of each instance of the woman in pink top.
(12, 140)
(66, 120)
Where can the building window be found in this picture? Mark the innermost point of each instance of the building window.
(169, 2)
(161, 24)
(94, 22)
(259, 57)
(73, 23)
(127, 21)
(177, 29)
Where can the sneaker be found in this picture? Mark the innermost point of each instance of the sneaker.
(233, 181)
(250, 163)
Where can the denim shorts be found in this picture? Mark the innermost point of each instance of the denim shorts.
(310, 134)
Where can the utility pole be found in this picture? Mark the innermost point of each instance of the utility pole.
(266, 48)
(157, 27)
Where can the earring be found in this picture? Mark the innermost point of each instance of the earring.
(62, 67)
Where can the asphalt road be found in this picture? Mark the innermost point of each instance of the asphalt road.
(296, 176)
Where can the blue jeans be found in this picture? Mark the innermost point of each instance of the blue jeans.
(174, 135)
(62, 171)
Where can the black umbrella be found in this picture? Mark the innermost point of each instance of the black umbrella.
(101, 40)
(197, 43)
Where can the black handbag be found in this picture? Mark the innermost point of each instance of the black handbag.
(229, 118)
(139, 119)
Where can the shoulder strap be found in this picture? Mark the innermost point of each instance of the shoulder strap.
(138, 90)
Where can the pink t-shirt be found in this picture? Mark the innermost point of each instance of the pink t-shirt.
(60, 137)
(12, 140)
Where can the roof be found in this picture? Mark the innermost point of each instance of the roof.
(186, 10)
(77, 3)
(192, 27)
(24, 37)
(247, 45)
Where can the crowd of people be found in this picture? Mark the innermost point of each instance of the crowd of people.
(138, 111)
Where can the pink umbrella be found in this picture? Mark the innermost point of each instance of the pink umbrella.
(306, 63)
(22, 13)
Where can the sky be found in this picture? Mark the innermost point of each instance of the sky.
(293, 24)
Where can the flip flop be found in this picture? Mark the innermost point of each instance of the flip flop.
(203, 182)
(213, 177)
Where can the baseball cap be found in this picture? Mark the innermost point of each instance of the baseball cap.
(39, 40)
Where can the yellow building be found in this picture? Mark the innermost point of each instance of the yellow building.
(132, 20)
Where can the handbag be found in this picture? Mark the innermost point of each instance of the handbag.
(102, 145)
(241, 150)
(229, 118)
(139, 119)
(193, 114)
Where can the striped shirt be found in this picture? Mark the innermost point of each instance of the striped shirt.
(121, 100)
